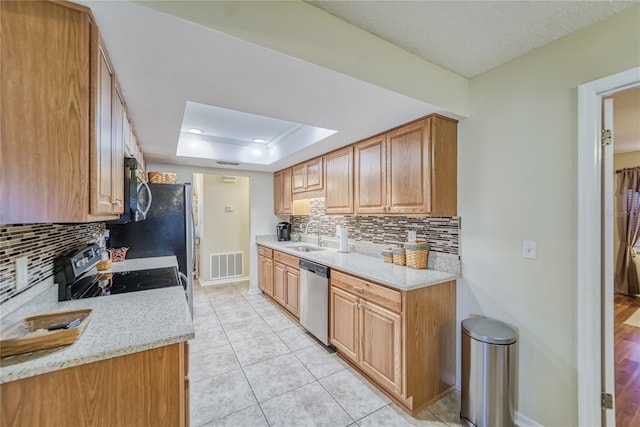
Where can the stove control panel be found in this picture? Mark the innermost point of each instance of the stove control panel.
(74, 265)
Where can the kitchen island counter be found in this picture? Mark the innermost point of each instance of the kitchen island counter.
(120, 324)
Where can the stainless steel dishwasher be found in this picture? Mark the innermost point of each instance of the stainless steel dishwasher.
(314, 299)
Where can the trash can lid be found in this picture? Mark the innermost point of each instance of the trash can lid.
(489, 331)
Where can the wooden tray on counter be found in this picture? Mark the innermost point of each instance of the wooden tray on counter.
(32, 334)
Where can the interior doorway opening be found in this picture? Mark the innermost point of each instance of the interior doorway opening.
(222, 217)
(595, 320)
(626, 296)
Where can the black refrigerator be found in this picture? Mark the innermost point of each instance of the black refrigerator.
(167, 230)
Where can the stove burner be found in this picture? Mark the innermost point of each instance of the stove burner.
(154, 284)
(104, 284)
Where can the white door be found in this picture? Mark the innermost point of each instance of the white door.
(608, 218)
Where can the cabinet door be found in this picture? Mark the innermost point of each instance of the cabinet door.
(282, 192)
(102, 167)
(117, 151)
(343, 331)
(299, 178)
(293, 292)
(261, 273)
(44, 112)
(268, 276)
(287, 204)
(338, 176)
(381, 335)
(408, 169)
(279, 283)
(370, 182)
(314, 173)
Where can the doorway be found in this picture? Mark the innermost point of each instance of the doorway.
(594, 372)
(222, 228)
(626, 297)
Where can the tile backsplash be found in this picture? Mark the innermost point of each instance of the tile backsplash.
(441, 233)
(42, 243)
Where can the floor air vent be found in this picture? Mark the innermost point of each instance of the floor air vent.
(226, 265)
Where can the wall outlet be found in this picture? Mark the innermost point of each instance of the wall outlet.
(529, 249)
(22, 272)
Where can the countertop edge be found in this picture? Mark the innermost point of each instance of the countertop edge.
(73, 362)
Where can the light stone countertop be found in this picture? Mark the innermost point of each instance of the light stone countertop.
(367, 267)
(120, 324)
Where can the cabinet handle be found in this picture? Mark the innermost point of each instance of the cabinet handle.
(116, 202)
(357, 288)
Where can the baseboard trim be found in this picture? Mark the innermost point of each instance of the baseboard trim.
(224, 281)
(524, 421)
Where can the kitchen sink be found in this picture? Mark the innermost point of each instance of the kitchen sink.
(305, 248)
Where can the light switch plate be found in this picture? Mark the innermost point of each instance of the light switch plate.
(22, 272)
(529, 249)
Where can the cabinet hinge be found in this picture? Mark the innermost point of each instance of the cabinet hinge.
(605, 137)
(607, 400)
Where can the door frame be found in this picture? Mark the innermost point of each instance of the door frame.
(589, 241)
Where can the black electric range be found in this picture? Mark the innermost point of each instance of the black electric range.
(78, 278)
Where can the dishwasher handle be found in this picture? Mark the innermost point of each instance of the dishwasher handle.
(315, 268)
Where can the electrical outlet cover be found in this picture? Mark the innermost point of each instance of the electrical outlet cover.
(22, 272)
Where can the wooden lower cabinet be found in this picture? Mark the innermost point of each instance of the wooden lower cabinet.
(344, 321)
(286, 287)
(293, 291)
(265, 274)
(404, 342)
(148, 388)
(279, 283)
(381, 336)
(280, 278)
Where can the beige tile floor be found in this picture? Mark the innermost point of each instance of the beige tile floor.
(252, 365)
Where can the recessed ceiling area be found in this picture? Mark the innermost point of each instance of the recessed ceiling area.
(230, 136)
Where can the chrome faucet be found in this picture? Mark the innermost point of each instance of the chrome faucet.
(306, 229)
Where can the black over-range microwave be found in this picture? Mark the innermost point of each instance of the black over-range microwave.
(137, 194)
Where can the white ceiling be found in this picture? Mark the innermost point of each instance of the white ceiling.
(166, 66)
(470, 37)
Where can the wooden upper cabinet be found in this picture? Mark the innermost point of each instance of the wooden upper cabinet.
(101, 167)
(409, 170)
(299, 173)
(283, 204)
(44, 112)
(307, 176)
(370, 181)
(107, 153)
(62, 131)
(338, 178)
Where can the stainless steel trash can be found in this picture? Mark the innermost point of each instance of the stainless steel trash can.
(488, 366)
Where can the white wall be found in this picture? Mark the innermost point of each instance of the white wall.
(224, 231)
(262, 220)
(517, 170)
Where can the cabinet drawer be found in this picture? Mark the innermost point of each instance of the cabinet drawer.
(378, 294)
(289, 260)
(266, 252)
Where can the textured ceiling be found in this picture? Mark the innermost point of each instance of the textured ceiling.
(471, 37)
